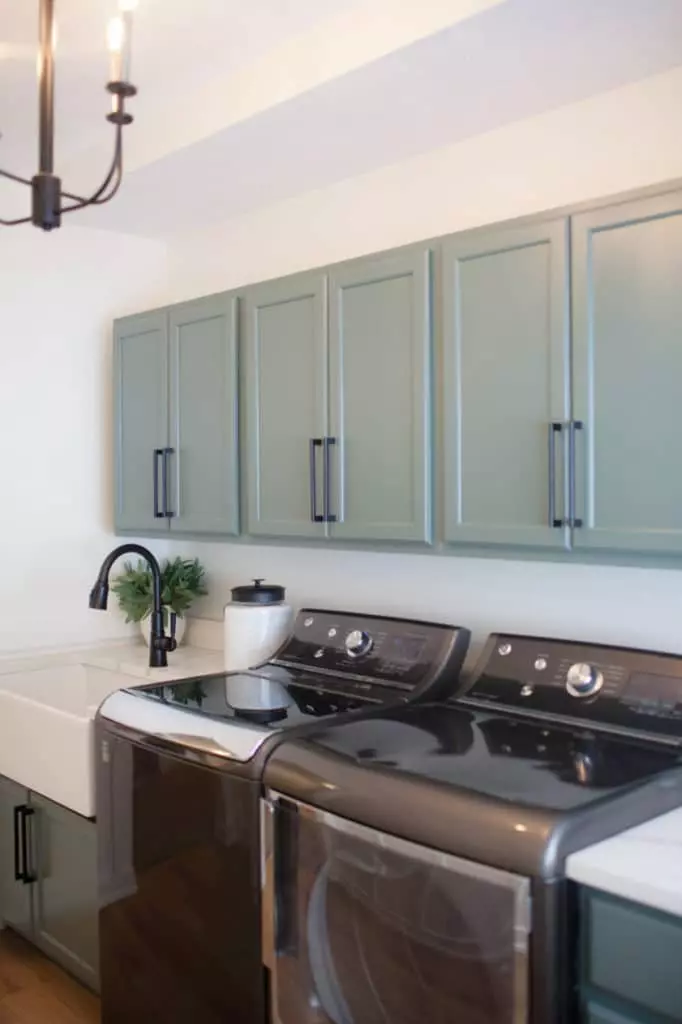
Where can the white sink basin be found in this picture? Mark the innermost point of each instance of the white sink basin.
(47, 730)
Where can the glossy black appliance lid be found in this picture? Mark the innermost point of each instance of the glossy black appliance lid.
(476, 783)
(272, 697)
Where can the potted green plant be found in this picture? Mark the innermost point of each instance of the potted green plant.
(182, 580)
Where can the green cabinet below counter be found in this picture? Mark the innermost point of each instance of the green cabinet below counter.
(48, 879)
(630, 962)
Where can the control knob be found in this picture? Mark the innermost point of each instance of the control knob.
(583, 680)
(358, 642)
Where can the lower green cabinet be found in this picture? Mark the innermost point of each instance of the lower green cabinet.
(48, 879)
(596, 1014)
(630, 963)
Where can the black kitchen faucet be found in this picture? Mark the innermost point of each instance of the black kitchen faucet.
(159, 643)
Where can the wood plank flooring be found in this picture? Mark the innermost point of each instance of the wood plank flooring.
(33, 990)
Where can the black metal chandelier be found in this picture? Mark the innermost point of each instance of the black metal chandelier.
(47, 194)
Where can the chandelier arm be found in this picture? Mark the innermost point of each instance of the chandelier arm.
(15, 177)
(12, 223)
(115, 170)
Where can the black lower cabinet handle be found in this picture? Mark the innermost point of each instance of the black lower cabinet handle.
(18, 868)
(22, 872)
(329, 517)
(158, 455)
(315, 443)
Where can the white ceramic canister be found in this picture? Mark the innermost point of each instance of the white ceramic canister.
(257, 622)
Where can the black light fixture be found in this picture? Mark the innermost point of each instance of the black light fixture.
(47, 194)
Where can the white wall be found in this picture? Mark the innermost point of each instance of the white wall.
(58, 296)
(621, 140)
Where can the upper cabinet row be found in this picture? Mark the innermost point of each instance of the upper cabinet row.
(554, 421)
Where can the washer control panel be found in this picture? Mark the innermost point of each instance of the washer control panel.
(409, 655)
(615, 686)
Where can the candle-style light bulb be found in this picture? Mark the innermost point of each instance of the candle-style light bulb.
(115, 42)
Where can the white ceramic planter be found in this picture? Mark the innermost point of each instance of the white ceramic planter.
(180, 627)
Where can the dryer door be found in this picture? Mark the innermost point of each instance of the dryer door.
(361, 927)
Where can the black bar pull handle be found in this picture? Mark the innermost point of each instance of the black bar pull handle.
(328, 515)
(22, 812)
(555, 430)
(18, 867)
(573, 520)
(158, 454)
(167, 512)
(315, 443)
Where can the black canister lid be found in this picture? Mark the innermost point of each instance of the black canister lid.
(258, 594)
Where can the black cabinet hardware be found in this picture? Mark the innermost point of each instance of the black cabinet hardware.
(573, 521)
(22, 873)
(328, 515)
(555, 430)
(315, 443)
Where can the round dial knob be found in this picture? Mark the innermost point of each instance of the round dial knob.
(583, 680)
(358, 642)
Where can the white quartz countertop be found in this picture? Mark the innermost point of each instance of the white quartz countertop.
(643, 864)
(128, 659)
(48, 702)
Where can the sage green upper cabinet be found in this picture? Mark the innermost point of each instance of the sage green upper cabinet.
(285, 339)
(380, 400)
(505, 385)
(627, 368)
(176, 419)
(141, 418)
(203, 467)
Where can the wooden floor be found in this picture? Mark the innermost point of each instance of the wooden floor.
(33, 990)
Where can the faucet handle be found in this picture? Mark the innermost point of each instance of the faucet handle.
(164, 643)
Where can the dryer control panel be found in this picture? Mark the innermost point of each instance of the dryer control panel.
(412, 656)
(619, 687)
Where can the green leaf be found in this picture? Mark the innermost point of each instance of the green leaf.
(182, 580)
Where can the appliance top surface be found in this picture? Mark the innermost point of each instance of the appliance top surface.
(269, 698)
(499, 756)
(332, 664)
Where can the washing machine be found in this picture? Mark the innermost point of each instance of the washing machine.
(413, 861)
(179, 772)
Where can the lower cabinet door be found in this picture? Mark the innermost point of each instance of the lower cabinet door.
(15, 871)
(595, 1014)
(64, 851)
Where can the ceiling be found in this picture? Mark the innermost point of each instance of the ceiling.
(241, 105)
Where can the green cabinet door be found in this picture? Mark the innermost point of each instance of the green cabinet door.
(380, 399)
(15, 894)
(141, 420)
(203, 462)
(505, 383)
(627, 369)
(65, 900)
(285, 341)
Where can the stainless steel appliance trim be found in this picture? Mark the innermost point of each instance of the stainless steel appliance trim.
(179, 728)
(519, 885)
(267, 884)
